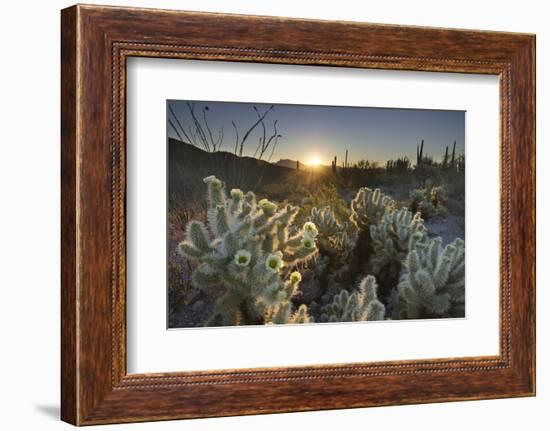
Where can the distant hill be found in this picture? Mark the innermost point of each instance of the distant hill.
(188, 165)
(287, 163)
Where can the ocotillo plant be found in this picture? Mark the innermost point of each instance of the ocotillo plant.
(246, 255)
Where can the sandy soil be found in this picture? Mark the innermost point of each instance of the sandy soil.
(448, 228)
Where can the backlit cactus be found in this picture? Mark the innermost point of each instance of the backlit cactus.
(432, 284)
(361, 305)
(429, 201)
(392, 238)
(368, 207)
(250, 256)
(333, 237)
(247, 256)
(325, 221)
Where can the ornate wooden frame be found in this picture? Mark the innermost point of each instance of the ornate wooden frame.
(95, 42)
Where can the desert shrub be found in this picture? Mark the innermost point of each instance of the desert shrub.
(400, 165)
(178, 283)
(292, 190)
(326, 195)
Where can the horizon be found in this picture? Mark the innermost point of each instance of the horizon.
(314, 134)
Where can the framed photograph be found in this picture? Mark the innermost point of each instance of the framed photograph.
(324, 214)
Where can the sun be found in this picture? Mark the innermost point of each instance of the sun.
(314, 161)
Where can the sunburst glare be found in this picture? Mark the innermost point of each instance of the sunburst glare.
(314, 161)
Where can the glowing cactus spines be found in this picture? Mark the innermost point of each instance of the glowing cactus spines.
(246, 256)
(368, 207)
(361, 305)
(325, 221)
(392, 238)
(430, 202)
(432, 284)
(333, 237)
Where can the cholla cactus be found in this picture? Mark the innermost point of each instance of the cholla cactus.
(438, 196)
(362, 304)
(249, 255)
(344, 242)
(326, 222)
(392, 238)
(368, 207)
(283, 314)
(429, 201)
(333, 235)
(432, 284)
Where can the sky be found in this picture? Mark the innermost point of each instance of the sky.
(312, 133)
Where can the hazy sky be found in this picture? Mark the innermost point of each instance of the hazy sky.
(321, 132)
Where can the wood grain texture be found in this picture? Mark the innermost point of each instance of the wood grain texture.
(96, 41)
(69, 367)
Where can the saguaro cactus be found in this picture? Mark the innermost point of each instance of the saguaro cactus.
(420, 153)
(453, 155)
(247, 256)
(362, 304)
(432, 284)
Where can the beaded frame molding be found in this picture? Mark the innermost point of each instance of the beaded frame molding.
(95, 43)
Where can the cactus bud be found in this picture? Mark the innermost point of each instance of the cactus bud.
(236, 193)
(213, 182)
(295, 277)
(267, 207)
